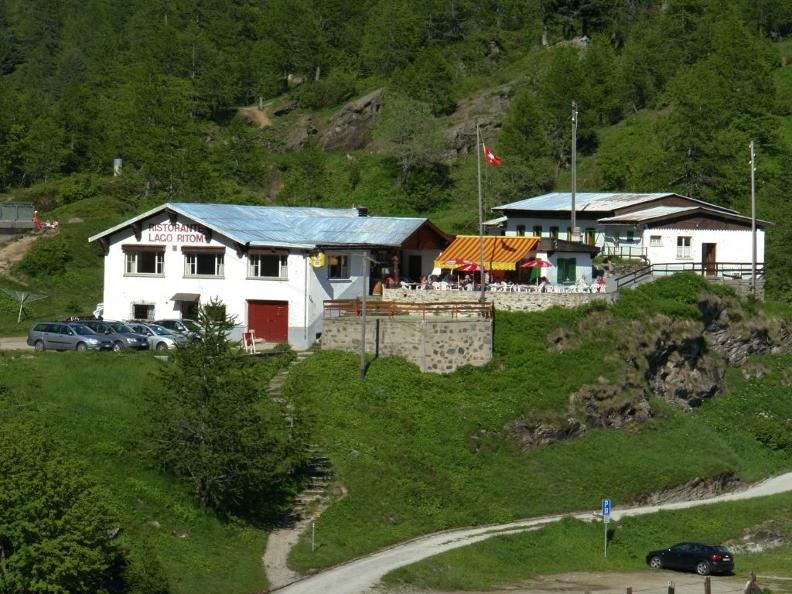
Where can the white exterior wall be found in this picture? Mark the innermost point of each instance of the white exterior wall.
(600, 231)
(305, 299)
(731, 245)
(583, 265)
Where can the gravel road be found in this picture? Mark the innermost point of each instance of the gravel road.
(12, 343)
(361, 575)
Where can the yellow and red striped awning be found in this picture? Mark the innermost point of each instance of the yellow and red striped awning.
(500, 252)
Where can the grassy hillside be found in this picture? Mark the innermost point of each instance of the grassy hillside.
(419, 453)
(93, 405)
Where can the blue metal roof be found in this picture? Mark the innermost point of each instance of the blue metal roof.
(593, 201)
(289, 226)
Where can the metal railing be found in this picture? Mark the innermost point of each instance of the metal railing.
(342, 308)
(636, 277)
(734, 270)
(725, 270)
(627, 252)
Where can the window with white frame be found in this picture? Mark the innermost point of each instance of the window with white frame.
(656, 240)
(145, 262)
(683, 247)
(267, 266)
(338, 267)
(203, 264)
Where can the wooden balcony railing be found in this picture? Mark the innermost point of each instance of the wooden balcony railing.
(353, 308)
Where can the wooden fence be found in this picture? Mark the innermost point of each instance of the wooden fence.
(454, 309)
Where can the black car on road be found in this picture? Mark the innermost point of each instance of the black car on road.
(692, 556)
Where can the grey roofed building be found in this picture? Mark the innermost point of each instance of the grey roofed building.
(600, 202)
(291, 226)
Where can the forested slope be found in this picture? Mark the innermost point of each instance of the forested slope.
(670, 94)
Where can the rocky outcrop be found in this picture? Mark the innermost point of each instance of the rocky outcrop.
(529, 434)
(349, 127)
(300, 132)
(604, 406)
(679, 367)
(697, 488)
(763, 536)
(487, 108)
(681, 361)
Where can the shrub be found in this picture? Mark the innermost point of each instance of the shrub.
(325, 92)
(79, 187)
(214, 431)
(55, 526)
(48, 257)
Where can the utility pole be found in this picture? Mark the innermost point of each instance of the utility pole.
(481, 212)
(753, 220)
(364, 261)
(573, 232)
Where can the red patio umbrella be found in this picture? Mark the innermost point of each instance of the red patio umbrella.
(536, 264)
(457, 263)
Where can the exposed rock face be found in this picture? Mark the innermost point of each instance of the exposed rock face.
(610, 407)
(764, 536)
(680, 369)
(349, 127)
(285, 108)
(681, 361)
(698, 488)
(487, 108)
(299, 134)
(531, 434)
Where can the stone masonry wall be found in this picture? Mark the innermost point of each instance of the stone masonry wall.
(502, 301)
(436, 346)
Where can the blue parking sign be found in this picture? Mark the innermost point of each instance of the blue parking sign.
(606, 507)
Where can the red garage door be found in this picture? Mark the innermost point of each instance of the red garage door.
(270, 320)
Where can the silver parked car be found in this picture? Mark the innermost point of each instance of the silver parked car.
(189, 328)
(159, 338)
(123, 336)
(66, 336)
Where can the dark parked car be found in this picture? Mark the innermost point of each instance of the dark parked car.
(123, 336)
(693, 556)
(65, 336)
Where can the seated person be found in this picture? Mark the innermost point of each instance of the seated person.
(598, 285)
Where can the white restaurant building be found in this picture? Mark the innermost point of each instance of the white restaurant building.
(272, 267)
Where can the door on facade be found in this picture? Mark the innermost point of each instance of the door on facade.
(270, 320)
(708, 259)
(414, 268)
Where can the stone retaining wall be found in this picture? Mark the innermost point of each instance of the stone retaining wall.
(742, 286)
(502, 301)
(435, 345)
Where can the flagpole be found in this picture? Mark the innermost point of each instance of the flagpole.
(573, 230)
(753, 219)
(481, 211)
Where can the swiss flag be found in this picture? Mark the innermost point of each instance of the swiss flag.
(491, 157)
